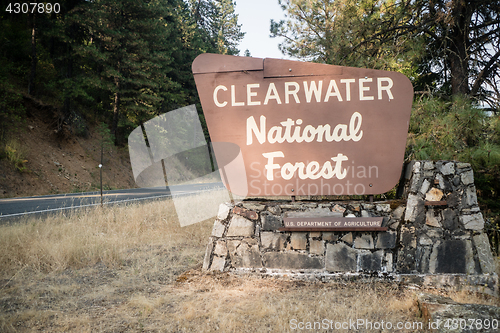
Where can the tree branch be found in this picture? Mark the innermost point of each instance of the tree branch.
(484, 73)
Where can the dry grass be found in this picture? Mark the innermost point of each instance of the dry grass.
(95, 235)
(133, 268)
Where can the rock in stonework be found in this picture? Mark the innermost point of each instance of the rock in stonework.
(220, 249)
(397, 214)
(406, 257)
(317, 247)
(386, 208)
(218, 229)
(208, 254)
(414, 207)
(454, 200)
(298, 205)
(415, 183)
(347, 238)
(223, 211)
(270, 222)
(434, 194)
(456, 181)
(425, 186)
(288, 260)
(440, 180)
(355, 207)
(423, 256)
(425, 240)
(467, 177)
(448, 169)
(416, 167)
(431, 219)
(218, 264)
(470, 196)
(330, 236)
(298, 241)
(428, 165)
(316, 212)
(369, 261)
(408, 237)
(449, 219)
(340, 258)
(338, 209)
(386, 240)
(276, 210)
(365, 213)
(240, 226)
(254, 206)
(249, 214)
(393, 224)
(367, 206)
(388, 262)
(483, 248)
(244, 253)
(272, 240)
(365, 241)
(444, 314)
(449, 256)
(472, 222)
(435, 233)
(470, 265)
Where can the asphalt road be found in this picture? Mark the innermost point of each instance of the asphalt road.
(17, 207)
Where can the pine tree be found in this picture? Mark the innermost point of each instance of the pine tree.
(128, 53)
(219, 23)
(453, 42)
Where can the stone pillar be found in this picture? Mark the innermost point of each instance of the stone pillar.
(442, 230)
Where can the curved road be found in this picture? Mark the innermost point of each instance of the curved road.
(17, 207)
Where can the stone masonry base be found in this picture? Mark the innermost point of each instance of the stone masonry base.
(437, 228)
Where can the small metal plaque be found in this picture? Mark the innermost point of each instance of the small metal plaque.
(331, 223)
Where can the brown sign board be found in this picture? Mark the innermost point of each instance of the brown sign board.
(333, 224)
(305, 128)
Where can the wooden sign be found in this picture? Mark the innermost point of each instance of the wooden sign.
(333, 224)
(306, 128)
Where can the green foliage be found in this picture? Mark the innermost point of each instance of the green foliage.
(122, 62)
(452, 130)
(219, 25)
(106, 138)
(12, 111)
(446, 47)
(16, 154)
(337, 32)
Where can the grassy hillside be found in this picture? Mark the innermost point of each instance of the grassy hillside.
(35, 159)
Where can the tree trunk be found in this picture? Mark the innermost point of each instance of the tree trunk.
(459, 60)
(116, 110)
(31, 81)
(69, 74)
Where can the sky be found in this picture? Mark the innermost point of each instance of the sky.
(255, 17)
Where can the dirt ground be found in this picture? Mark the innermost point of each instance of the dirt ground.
(66, 165)
(124, 299)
